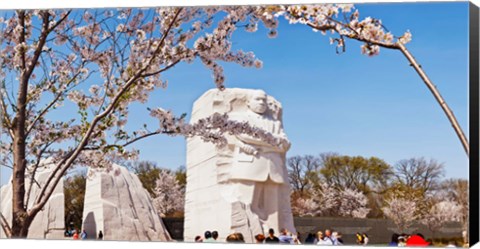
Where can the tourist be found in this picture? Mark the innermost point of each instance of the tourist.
(402, 240)
(75, 234)
(394, 240)
(215, 236)
(297, 239)
(83, 235)
(284, 237)
(320, 237)
(100, 235)
(365, 239)
(334, 237)
(416, 240)
(339, 239)
(208, 237)
(259, 238)
(323, 239)
(235, 238)
(198, 238)
(310, 239)
(359, 239)
(271, 237)
(328, 238)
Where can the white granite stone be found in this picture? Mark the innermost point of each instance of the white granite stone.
(243, 187)
(49, 222)
(117, 204)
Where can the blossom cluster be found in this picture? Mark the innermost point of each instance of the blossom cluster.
(440, 213)
(103, 61)
(328, 200)
(212, 128)
(169, 194)
(403, 212)
(339, 19)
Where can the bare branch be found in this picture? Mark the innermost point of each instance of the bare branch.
(451, 117)
(6, 228)
(34, 171)
(129, 142)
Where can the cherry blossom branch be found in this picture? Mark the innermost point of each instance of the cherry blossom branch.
(451, 117)
(43, 196)
(60, 21)
(355, 37)
(57, 97)
(21, 18)
(38, 50)
(162, 70)
(399, 45)
(19, 140)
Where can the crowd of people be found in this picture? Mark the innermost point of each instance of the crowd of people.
(328, 237)
(418, 239)
(73, 233)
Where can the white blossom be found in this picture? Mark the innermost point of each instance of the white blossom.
(169, 194)
(330, 201)
(401, 211)
(441, 213)
(406, 38)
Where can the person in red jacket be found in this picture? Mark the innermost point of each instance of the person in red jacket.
(75, 234)
(417, 240)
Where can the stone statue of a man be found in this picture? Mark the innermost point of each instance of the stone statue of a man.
(251, 192)
(258, 168)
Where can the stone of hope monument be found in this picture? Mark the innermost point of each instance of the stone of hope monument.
(242, 187)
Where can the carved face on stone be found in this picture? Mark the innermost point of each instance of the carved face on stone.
(258, 102)
(274, 108)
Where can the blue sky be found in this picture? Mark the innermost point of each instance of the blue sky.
(347, 103)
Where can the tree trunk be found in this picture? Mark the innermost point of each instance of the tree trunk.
(19, 212)
(21, 226)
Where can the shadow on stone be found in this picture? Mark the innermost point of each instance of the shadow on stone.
(90, 226)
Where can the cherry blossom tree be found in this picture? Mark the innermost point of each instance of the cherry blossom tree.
(303, 206)
(169, 194)
(329, 201)
(441, 213)
(102, 61)
(401, 211)
(457, 190)
(353, 204)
